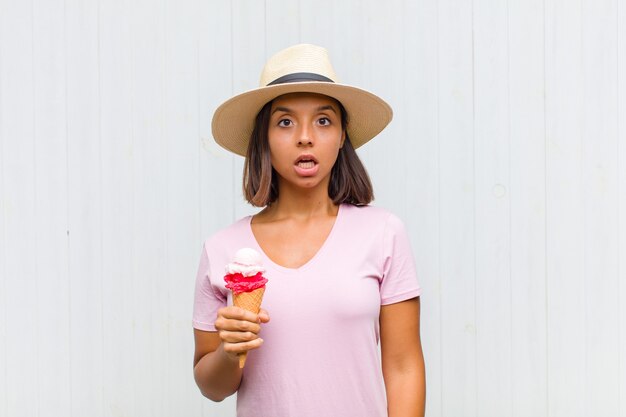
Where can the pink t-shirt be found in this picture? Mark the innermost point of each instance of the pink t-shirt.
(320, 355)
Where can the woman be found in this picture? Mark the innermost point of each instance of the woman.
(341, 273)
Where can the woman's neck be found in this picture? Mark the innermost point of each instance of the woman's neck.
(302, 203)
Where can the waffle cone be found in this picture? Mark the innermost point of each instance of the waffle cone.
(250, 301)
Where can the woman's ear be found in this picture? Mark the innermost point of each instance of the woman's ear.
(343, 139)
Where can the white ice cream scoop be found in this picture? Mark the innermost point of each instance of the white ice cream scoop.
(247, 262)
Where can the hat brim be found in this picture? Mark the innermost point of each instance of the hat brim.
(233, 121)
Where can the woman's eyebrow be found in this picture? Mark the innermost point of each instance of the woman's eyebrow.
(283, 109)
(319, 109)
(326, 107)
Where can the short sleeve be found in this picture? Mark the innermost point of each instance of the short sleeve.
(207, 299)
(399, 281)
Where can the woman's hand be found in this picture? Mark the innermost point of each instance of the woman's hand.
(239, 330)
(216, 365)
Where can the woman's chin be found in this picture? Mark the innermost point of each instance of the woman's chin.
(304, 183)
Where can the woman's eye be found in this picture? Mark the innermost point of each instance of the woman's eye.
(284, 123)
(324, 121)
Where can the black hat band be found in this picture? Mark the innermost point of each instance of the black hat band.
(300, 76)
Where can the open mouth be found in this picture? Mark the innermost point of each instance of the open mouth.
(306, 165)
(306, 161)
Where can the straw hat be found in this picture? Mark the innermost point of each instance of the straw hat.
(298, 69)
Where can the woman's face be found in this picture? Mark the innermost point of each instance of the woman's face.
(305, 136)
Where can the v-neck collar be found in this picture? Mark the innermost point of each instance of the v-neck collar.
(310, 262)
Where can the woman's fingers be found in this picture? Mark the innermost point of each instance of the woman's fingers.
(236, 348)
(264, 316)
(239, 329)
(237, 313)
(237, 337)
(237, 325)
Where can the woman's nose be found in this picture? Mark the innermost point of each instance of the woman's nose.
(305, 136)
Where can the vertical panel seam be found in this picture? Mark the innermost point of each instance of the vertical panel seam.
(34, 156)
(67, 209)
(199, 137)
(404, 103)
(232, 89)
(510, 191)
(439, 276)
(3, 247)
(545, 217)
(299, 3)
(620, 328)
(166, 139)
(581, 197)
(100, 186)
(475, 318)
(132, 182)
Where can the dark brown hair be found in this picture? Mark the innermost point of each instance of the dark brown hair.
(349, 182)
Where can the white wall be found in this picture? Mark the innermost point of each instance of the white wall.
(506, 159)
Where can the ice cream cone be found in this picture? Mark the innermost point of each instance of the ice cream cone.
(250, 301)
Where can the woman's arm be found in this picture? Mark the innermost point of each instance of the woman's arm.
(216, 364)
(403, 359)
